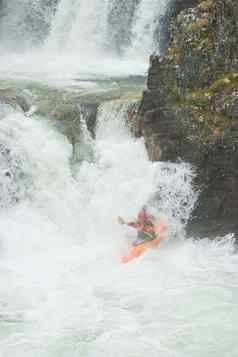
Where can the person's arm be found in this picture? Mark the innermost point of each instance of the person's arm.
(130, 224)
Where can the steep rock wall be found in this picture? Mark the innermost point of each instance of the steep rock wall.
(190, 109)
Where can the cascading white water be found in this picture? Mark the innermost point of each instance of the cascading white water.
(24, 24)
(144, 26)
(78, 27)
(65, 38)
(86, 26)
(63, 289)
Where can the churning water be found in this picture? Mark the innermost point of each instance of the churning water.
(64, 291)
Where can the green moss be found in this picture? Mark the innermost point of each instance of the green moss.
(223, 82)
(223, 85)
(188, 28)
(200, 24)
(206, 5)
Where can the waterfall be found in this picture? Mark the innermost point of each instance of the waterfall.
(144, 27)
(68, 38)
(116, 26)
(169, 187)
(85, 27)
(77, 26)
(24, 24)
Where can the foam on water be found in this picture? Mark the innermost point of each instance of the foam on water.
(67, 69)
(63, 289)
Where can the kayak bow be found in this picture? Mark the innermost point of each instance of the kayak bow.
(136, 251)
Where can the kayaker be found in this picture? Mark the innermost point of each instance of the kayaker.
(144, 225)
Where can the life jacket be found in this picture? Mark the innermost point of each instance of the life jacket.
(145, 223)
(142, 215)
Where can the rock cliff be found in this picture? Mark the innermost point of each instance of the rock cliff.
(190, 108)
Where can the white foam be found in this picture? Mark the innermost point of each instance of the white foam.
(63, 289)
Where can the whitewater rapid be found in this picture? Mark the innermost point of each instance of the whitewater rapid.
(64, 291)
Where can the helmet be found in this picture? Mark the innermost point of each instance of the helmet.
(143, 215)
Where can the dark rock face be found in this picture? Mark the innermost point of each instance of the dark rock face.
(190, 108)
(218, 180)
(231, 106)
(173, 9)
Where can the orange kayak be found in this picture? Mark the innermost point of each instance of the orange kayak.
(136, 251)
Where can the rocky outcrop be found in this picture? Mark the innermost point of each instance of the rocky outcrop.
(173, 8)
(14, 99)
(190, 109)
(72, 112)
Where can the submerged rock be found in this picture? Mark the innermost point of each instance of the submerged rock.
(190, 109)
(70, 110)
(14, 182)
(14, 99)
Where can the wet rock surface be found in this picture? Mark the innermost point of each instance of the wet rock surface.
(14, 181)
(174, 7)
(71, 110)
(190, 109)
